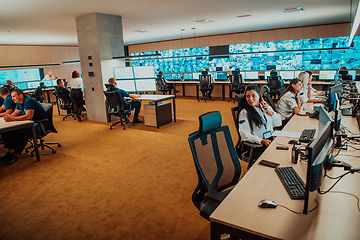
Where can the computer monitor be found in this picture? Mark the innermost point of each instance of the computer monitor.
(223, 75)
(47, 83)
(327, 75)
(251, 75)
(267, 74)
(168, 76)
(337, 117)
(22, 85)
(204, 73)
(33, 85)
(54, 82)
(352, 73)
(287, 75)
(122, 73)
(196, 75)
(324, 118)
(176, 76)
(331, 98)
(296, 74)
(319, 151)
(188, 76)
(144, 72)
(145, 85)
(127, 85)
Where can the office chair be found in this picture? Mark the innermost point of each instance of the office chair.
(268, 98)
(117, 106)
(246, 150)
(205, 87)
(275, 85)
(162, 85)
(216, 162)
(236, 85)
(65, 103)
(38, 94)
(48, 107)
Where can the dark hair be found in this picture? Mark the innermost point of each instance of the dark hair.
(75, 74)
(309, 72)
(58, 81)
(290, 87)
(161, 73)
(112, 80)
(18, 91)
(253, 115)
(4, 90)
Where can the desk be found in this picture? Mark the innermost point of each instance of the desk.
(336, 217)
(15, 125)
(157, 99)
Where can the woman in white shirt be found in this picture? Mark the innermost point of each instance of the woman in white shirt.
(257, 119)
(308, 91)
(289, 101)
(76, 94)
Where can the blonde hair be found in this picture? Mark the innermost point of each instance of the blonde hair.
(304, 78)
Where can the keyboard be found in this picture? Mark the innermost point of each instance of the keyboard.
(292, 182)
(346, 111)
(307, 135)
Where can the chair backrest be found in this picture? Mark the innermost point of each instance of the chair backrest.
(274, 83)
(115, 100)
(205, 82)
(268, 98)
(216, 161)
(48, 107)
(38, 94)
(235, 113)
(161, 83)
(65, 98)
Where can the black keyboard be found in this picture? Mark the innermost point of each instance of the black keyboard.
(346, 111)
(292, 182)
(307, 135)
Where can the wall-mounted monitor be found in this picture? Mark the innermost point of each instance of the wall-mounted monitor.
(267, 74)
(123, 73)
(188, 76)
(168, 76)
(251, 75)
(327, 75)
(22, 86)
(287, 75)
(176, 76)
(127, 85)
(28, 74)
(33, 85)
(297, 73)
(144, 72)
(7, 75)
(145, 85)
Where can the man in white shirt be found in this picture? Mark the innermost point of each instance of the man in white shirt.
(49, 76)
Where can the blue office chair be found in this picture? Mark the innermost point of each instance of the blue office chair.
(216, 161)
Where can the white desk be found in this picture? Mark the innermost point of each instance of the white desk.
(336, 217)
(15, 125)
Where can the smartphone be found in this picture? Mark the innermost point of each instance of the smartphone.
(269, 164)
(282, 148)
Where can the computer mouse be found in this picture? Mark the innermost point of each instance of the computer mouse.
(294, 141)
(266, 203)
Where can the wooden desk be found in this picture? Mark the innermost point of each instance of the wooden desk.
(15, 125)
(157, 99)
(336, 217)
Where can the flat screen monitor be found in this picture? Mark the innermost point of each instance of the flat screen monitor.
(196, 75)
(318, 152)
(48, 83)
(324, 118)
(144, 72)
(337, 117)
(168, 76)
(327, 75)
(287, 75)
(176, 76)
(188, 76)
(22, 86)
(54, 82)
(145, 85)
(221, 75)
(267, 74)
(33, 85)
(127, 85)
(352, 73)
(251, 75)
(28, 74)
(296, 74)
(124, 73)
(7, 75)
(331, 98)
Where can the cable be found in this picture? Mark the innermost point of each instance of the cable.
(340, 177)
(358, 200)
(317, 204)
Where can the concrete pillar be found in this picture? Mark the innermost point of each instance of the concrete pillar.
(100, 38)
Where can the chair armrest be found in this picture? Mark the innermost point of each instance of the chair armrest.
(251, 144)
(217, 196)
(41, 125)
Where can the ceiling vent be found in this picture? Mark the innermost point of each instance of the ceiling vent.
(203, 21)
(140, 31)
(243, 16)
(289, 10)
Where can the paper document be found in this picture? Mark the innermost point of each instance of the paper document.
(286, 134)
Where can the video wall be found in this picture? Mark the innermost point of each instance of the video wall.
(27, 78)
(303, 54)
(136, 79)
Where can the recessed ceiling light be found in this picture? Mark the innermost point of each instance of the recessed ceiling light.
(295, 9)
(243, 16)
(140, 31)
(203, 21)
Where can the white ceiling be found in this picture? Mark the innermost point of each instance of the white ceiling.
(50, 22)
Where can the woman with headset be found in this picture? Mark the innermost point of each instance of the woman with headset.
(257, 119)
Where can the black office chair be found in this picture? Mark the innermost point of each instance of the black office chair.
(268, 99)
(246, 150)
(65, 103)
(46, 126)
(162, 85)
(205, 86)
(216, 162)
(236, 85)
(38, 94)
(117, 106)
(275, 85)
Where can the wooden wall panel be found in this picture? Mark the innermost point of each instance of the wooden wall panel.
(202, 42)
(177, 44)
(3, 56)
(342, 29)
(56, 55)
(326, 31)
(245, 38)
(213, 41)
(189, 43)
(296, 33)
(257, 36)
(234, 38)
(269, 36)
(13, 55)
(311, 32)
(223, 39)
(282, 34)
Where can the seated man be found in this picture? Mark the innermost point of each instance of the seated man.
(212, 81)
(133, 104)
(27, 108)
(62, 87)
(8, 105)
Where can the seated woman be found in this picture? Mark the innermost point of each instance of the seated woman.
(257, 119)
(307, 92)
(289, 101)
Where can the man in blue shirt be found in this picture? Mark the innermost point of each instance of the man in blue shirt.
(27, 108)
(7, 105)
(134, 104)
(62, 87)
